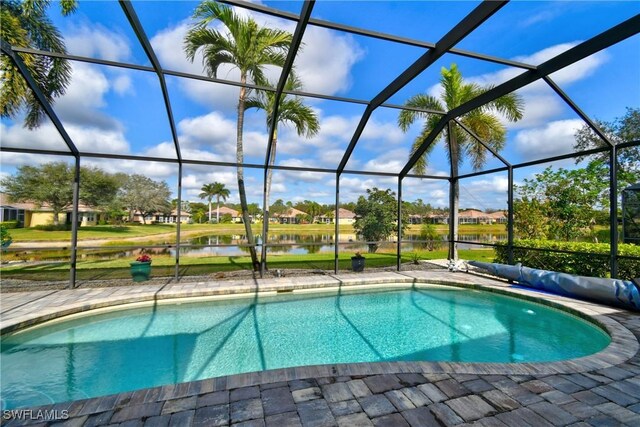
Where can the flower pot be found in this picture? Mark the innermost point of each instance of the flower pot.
(357, 263)
(140, 271)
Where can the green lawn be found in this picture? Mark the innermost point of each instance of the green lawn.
(119, 234)
(194, 266)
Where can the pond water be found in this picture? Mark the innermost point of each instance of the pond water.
(319, 243)
(285, 243)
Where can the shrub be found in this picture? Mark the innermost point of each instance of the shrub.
(52, 227)
(593, 261)
(5, 236)
(226, 218)
(11, 224)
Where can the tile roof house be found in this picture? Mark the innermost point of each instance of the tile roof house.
(30, 214)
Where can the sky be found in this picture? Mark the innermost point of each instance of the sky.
(112, 110)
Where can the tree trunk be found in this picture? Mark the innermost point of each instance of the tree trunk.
(209, 211)
(272, 162)
(56, 219)
(265, 214)
(454, 189)
(218, 211)
(240, 173)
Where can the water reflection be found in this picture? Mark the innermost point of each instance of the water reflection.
(279, 243)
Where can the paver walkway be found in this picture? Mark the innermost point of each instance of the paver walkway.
(336, 396)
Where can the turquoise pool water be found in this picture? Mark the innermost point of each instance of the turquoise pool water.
(145, 347)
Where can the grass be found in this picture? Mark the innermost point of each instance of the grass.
(118, 234)
(164, 265)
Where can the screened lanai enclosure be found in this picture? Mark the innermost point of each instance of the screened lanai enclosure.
(483, 119)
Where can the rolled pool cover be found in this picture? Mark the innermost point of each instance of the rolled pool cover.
(607, 291)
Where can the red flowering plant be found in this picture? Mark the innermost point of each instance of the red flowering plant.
(144, 258)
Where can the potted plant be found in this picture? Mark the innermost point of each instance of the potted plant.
(141, 268)
(357, 262)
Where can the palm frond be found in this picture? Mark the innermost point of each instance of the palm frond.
(427, 102)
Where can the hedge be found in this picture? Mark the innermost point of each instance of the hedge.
(10, 224)
(594, 260)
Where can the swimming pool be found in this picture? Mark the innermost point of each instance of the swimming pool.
(162, 344)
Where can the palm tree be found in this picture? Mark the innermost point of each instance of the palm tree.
(291, 110)
(482, 121)
(25, 24)
(248, 47)
(217, 190)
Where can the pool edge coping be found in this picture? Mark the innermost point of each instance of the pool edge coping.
(622, 347)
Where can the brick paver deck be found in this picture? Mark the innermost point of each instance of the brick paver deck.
(598, 390)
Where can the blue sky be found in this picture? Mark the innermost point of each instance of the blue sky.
(110, 110)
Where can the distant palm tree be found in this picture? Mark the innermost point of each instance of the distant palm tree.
(482, 121)
(217, 190)
(248, 47)
(291, 110)
(25, 24)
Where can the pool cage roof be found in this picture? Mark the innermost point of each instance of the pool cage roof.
(433, 51)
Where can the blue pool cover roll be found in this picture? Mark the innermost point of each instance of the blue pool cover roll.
(607, 291)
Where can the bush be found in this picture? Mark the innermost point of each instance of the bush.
(226, 219)
(51, 227)
(5, 236)
(11, 224)
(594, 262)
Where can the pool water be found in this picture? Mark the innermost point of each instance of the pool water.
(163, 344)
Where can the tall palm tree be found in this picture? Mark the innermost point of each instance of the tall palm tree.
(207, 193)
(482, 121)
(217, 190)
(248, 47)
(291, 111)
(25, 24)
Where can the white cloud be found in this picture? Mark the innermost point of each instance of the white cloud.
(85, 97)
(554, 138)
(98, 140)
(122, 85)
(160, 171)
(46, 137)
(98, 42)
(87, 88)
(326, 53)
(210, 137)
(391, 161)
(376, 131)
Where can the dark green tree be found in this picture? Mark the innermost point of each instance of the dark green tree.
(51, 184)
(377, 217)
(622, 129)
(561, 203)
(145, 196)
(198, 211)
(278, 207)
